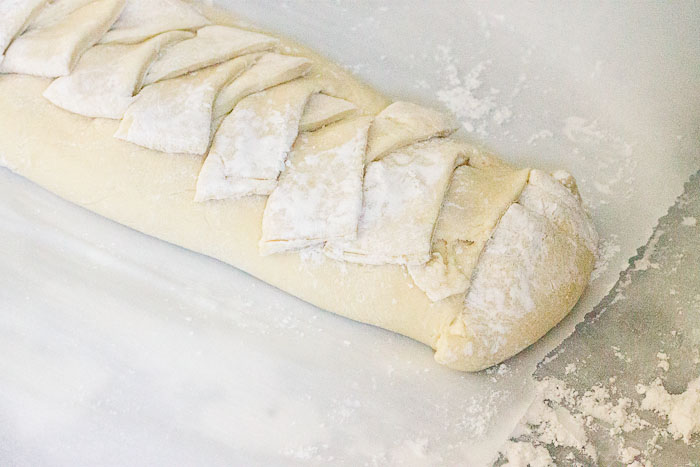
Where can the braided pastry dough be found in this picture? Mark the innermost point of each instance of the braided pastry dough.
(251, 149)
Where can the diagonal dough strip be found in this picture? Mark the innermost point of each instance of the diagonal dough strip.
(52, 51)
(402, 195)
(254, 140)
(15, 15)
(319, 195)
(322, 110)
(142, 19)
(212, 183)
(272, 69)
(175, 115)
(404, 123)
(212, 45)
(476, 200)
(55, 11)
(257, 136)
(107, 77)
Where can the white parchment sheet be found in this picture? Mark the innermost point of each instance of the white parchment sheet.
(119, 349)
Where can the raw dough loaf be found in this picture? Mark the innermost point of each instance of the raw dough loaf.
(437, 240)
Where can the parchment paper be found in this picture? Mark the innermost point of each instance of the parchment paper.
(118, 349)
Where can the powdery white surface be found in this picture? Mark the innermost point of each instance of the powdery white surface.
(53, 50)
(271, 70)
(401, 198)
(690, 221)
(319, 195)
(175, 115)
(519, 243)
(137, 351)
(561, 417)
(402, 123)
(682, 410)
(107, 77)
(254, 140)
(521, 454)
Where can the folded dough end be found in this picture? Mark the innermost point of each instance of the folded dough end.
(402, 196)
(555, 201)
(106, 78)
(475, 201)
(213, 184)
(175, 115)
(530, 275)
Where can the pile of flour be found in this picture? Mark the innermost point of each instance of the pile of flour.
(560, 418)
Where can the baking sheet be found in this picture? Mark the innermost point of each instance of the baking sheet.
(121, 349)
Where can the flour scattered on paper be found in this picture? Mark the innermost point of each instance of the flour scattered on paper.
(522, 454)
(689, 221)
(469, 94)
(608, 249)
(682, 411)
(542, 134)
(562, 418)
(613, 156)
(464, 96)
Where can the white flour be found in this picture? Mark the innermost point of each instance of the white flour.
(521, 454)
(682, 411)
(561, 417)
(689, 221)
(463, 96)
